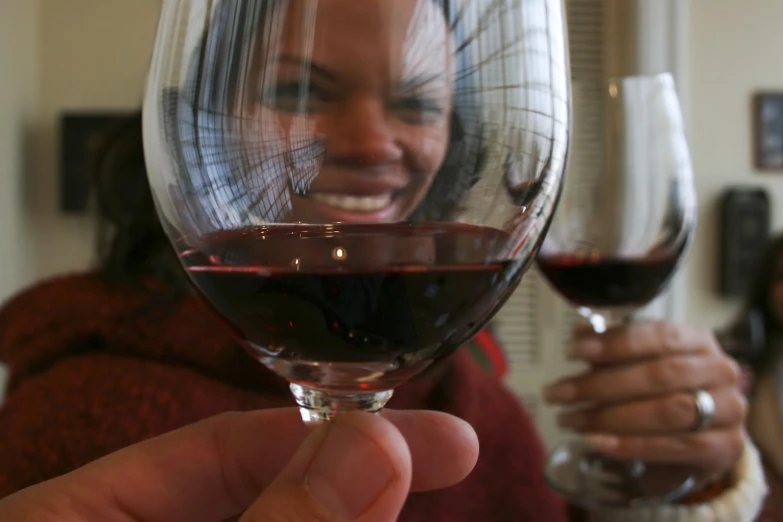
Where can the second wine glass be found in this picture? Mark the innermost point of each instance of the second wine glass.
(612, 249)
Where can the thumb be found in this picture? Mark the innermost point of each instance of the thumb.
(357, 467)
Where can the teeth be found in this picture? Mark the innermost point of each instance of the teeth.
(353, 203)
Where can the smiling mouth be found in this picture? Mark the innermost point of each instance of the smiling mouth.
(353, 203)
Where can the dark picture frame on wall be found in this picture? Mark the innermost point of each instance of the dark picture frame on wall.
(768, 131)
(81, 136)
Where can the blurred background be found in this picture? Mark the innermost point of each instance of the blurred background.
(66, 63)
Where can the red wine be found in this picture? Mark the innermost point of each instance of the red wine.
(607, 282)
(333, 305)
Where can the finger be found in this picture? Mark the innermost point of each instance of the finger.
(215, 469)
(640, 340)
(644, 379)
(444, 448)
(710, 451)
(358, 467)
(662, 415)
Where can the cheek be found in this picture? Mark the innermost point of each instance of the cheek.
(280, 135)
(428, 147)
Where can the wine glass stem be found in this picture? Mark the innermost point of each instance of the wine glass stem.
(602, 320)
(318, 406)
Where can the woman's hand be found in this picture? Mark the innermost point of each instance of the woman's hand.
(636, 400)
(262, 466)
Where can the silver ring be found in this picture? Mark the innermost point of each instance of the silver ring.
(705, 409)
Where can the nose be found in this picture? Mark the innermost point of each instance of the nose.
(359, 133)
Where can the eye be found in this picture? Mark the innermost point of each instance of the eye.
(294, 97)
(418, 111)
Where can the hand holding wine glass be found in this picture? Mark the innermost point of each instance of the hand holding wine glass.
(356, 186)
(635, 403)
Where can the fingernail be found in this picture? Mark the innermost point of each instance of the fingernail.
(559, 392)
(349, 472)
(586, 348)
(602, 442)
(572, 420)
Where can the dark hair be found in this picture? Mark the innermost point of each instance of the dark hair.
(132, 244)
(757, 328)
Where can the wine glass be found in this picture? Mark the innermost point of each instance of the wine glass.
(356, 186)
(613, 249)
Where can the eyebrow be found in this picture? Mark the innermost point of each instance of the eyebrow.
(308, 65)
(410, 84)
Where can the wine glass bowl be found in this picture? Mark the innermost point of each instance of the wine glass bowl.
(615, 247)
(356, 186)
(358, 307)
(612, 250)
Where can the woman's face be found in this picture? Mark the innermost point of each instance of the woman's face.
(359, 95)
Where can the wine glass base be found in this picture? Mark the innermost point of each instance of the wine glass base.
(589, 480)
(318, 405)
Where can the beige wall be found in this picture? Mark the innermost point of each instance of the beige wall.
(93, 56)
(735, 50)
(18, 103)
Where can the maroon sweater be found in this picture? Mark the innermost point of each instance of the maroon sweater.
(96, 368)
